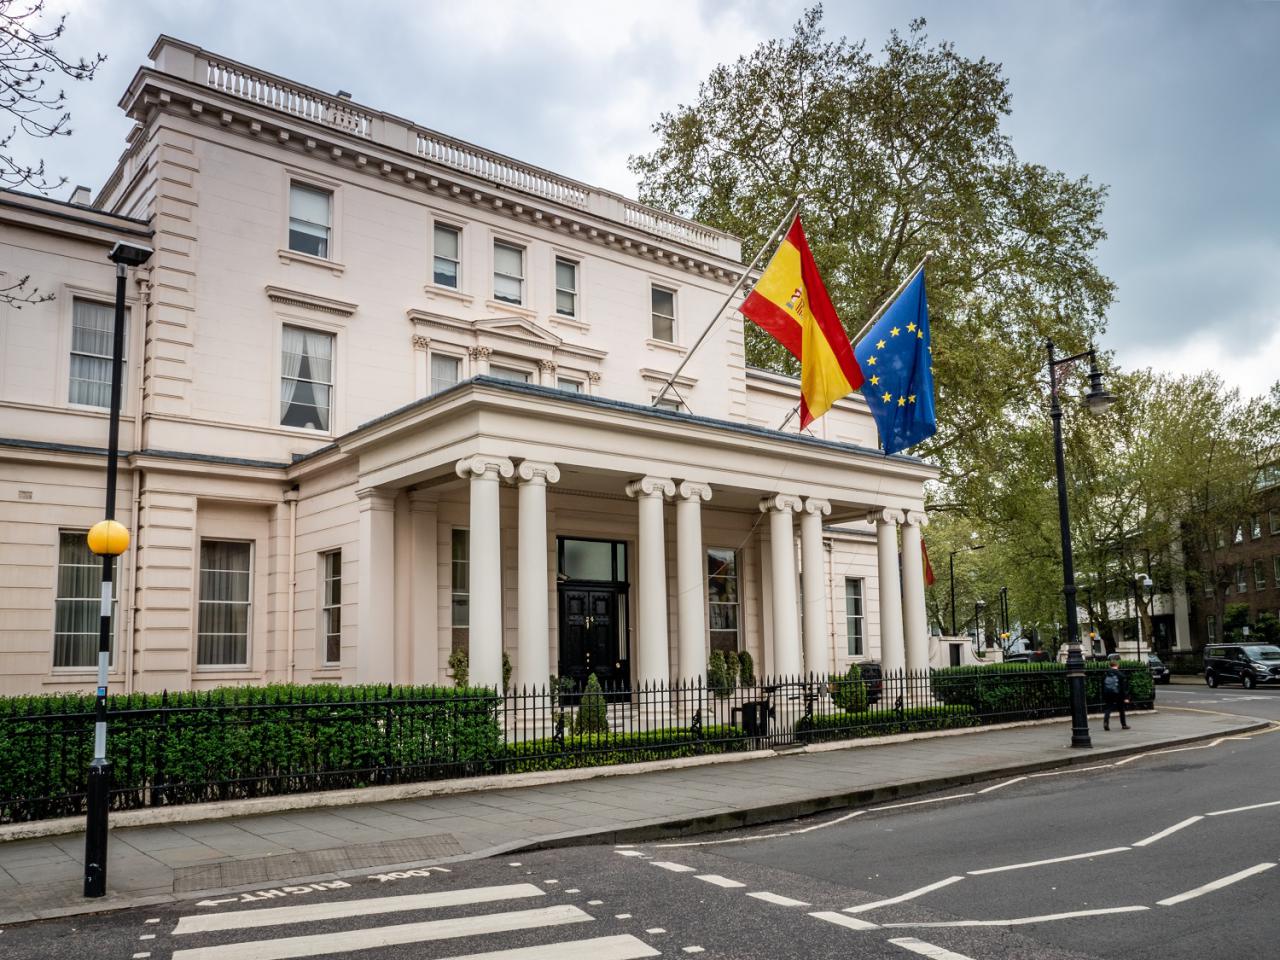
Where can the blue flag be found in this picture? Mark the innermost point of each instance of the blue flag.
(897, 365)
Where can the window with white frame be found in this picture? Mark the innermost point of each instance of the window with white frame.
(508, 272)
(222, 628)
(568, 385)
(724, 602)
(854, 616)
(1238, 537)
(447, 256)
(664, 314)
(446, 371)
(1259, 575)
(331, 605)
(1242, 585)
(460, 585)
(78, 603)
(92, 340)
(310, 216)
(306, 378)
(1273, 520)
(514, 374)
(1255, 526)
(668, 403)
(566, 287)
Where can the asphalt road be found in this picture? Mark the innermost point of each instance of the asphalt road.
(960, 868)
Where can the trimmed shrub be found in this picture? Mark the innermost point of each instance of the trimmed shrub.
(747, 667)
(1020, 691)
(617, 748)
(850, 692)
(877, 723)
(731, 670)
(717, 677)
(593, 712)
(459, 667)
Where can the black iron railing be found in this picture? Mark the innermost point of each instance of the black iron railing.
(171, 749)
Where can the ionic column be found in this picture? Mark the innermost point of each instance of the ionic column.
(480, 363)
(484, 648)
(782, 557)
(375, 638)
(424, 599)
(547, 374)
(691, 581)
(893, 656)
(813, 578)
(533, 655)
(653, 662)
(915, 619)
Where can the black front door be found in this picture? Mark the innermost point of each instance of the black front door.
(589, 632)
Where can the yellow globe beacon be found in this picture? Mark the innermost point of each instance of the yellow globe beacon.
(108, 538)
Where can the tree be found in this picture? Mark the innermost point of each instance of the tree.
(28, 62)
(897, 155)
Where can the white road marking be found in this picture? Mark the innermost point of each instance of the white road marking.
(550, 881)
(622, 916)
(1007, 783)
(927, 949)
(777, 899)
(622, 947)
(573, 890)
(346, 941)
(673, 867)
(1041, 863)
(902, 898)
(764, 836)
(1252, 806)
(693, 950)
(517, 864)
(304, 913)
(142, 956)
(629, 853)
(1019, 921)
(840, 920)
(594, 903)
(1146, 842)
(1058, 773)
(917, 803)
(656, 930)
(152, 920)
(1215, 885)
(719, 881)
(147, 936)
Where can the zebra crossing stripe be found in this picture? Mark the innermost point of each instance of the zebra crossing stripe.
(304, 913)
(624, 947)
(345, 941)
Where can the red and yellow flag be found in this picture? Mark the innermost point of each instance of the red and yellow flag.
(791, 304)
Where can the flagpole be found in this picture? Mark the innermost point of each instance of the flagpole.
(769, 244)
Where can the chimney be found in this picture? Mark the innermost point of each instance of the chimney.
(81, 196)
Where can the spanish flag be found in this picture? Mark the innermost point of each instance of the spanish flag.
(791, 304)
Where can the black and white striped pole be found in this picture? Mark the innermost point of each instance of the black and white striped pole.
(107, 539)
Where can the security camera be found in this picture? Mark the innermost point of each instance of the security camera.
(130, 255)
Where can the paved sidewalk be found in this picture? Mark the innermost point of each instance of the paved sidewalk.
(43, 877)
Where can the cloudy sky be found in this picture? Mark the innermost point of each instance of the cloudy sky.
(1172, 104)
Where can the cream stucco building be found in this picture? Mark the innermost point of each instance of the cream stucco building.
(388, 395)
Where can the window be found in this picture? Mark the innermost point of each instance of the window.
(1255, 526)
(1275, 571)
(309, 210)
(445, 371)
(448, 256)
(566, 287)
(509, 373)
(78, 604)
(461, 587)
(1220, 537)
(508, 273)
(1259, 575)
(92, 340)
(1211, 628)
(1241, 584)
(569, 386)
(331, 610)
(1238, 536)
(664, 314)
(222, 628)
(1273, 519)
(666, 403)
(854, 616)
(306, 378)
(722, 594)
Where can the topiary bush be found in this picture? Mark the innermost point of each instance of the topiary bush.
(717, 677)
(850, 692)
(459, 667)
(1020, 691)
(731, 668)
(747, 668)
(593, 712)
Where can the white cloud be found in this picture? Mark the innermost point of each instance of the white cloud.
(1251, 366)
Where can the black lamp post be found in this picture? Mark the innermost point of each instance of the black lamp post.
(1097, 400)
(108, 539)
(951, 564)
(978, 607)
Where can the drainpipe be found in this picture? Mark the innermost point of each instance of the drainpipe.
(139, 443)
(291, 498)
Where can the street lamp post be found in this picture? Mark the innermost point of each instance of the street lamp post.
(951, 564)
(1097, 401)
(978, 607)
(108, 539)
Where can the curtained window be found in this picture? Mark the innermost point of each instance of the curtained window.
(664, 314)
(309, 211)
(508, 273)
(448, 256)
(222, 629)
(722, 598)
(78, 605)
(509, 373)
(445, 371)
(331, 612)
(461, 588)
(566, 287)
(853, 616)
(92, 340)
(306, 378)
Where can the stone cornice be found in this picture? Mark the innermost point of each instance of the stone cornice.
(298, 298)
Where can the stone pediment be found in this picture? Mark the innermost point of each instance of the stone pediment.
(518, 328)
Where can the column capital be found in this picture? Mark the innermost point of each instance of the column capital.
(917, 518)
(651, 487)
(479, 465)
(375, 498)
(815, 506)
(420, 342)
(535, 470)
(693, 490)
(886, 516)
(479, 353)
(781, 503)
(547, 366)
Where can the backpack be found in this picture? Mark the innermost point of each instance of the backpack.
(1111, 682)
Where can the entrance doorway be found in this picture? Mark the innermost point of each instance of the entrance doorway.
(594, 622)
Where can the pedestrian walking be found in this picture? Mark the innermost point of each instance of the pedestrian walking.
(1115, 694)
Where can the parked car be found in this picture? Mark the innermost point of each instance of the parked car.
(1028, 656)
(1248, 664)
(1159, 672)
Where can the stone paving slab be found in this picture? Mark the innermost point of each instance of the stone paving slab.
(167, 862)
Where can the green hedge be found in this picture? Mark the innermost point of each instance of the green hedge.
(609, 749)
(877, 723)
(1013, 691)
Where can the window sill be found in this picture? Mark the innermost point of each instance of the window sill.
(222, 672)
(293, 256)
(560, 320)
(653, 344)
(305, 432)
(511, 308)
(61, 676)
(448, 293)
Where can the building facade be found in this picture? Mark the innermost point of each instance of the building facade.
(389, 396)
